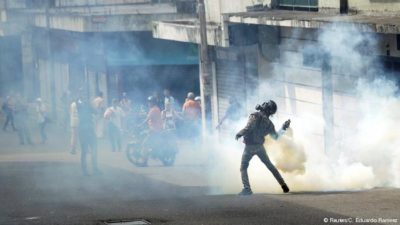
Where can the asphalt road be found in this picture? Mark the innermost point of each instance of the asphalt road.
(43, 185)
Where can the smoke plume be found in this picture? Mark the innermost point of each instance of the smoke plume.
(365, 152)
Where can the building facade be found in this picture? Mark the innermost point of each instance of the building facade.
(274, 49)
(102, 45)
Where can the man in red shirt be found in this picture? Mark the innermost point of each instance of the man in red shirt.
(191, 109)
(153, 119)
(191, 114)
(154, 123)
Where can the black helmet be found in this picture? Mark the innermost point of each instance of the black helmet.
(268, 107)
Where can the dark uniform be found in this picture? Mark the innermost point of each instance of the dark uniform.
(87, 136)
(258, 126)
(8, 110)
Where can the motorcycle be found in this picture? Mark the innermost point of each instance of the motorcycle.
(144, 146)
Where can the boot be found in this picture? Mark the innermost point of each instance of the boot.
(245, 192)
(285, 188)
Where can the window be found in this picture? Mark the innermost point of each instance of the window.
(344, 6)
(307, 5)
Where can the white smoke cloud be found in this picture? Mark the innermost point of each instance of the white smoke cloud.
(364, 156)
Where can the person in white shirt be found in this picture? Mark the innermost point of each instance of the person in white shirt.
(42, 118)
(74, 122)
(114, 116)
(168, 99)
(169, 117)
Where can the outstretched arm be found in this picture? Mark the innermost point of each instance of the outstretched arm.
(275, 135)
(220, 122)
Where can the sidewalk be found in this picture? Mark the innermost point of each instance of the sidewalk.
(187, 171)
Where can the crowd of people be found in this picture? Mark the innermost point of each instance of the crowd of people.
(88, 120)
(20, 114)
(92, 120)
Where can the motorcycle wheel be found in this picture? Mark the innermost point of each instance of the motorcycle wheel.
(169, 159)
(135, 156)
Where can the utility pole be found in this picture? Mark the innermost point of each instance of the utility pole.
(205, 67)
(327, 102)
(50, 66)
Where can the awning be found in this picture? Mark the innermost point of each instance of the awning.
(188, 31)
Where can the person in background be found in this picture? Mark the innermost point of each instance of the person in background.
(153, 119)
(114, 116)
(87, 136)
(8, 109)
(233, 113)
(125, 103)
(198, 100)
(74, 122)
(99, 107)
(191, 111)
(259, 126)
(42, 118)
(21, 121)
(159, 101)
(169, 117)
(154, 124)
(168, 98)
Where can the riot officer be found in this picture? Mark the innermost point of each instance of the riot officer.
(259, 126)
(86, 131)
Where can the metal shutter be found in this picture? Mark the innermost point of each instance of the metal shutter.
(236, 75)
(230, 78)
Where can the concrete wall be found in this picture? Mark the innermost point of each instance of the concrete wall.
(329, 5)
(111, 23)
(118, 9)
(61, 3)
(375, 6)
(188, 32)
(362, 6)
(297, 88)
(213, 11)
(214, 8)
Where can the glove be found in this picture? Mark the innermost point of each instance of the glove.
(238, 136)
(286, 125)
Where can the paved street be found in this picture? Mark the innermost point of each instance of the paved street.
(43, 185)
(300, 96)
